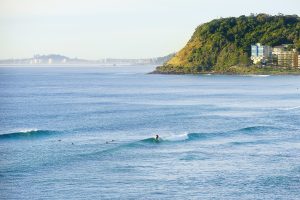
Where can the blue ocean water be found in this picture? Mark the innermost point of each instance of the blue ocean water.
(87, 133)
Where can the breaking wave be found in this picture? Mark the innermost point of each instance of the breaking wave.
(197, 136)
(200, 136)
(27, 134)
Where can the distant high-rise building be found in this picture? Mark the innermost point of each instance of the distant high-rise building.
(260, 53)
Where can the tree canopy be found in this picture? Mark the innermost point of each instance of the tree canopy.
(226, 42)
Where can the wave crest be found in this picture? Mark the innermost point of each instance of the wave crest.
(199, 136)
(26, 133)
(257, 129)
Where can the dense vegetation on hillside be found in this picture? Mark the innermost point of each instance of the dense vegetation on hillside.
(223, 43)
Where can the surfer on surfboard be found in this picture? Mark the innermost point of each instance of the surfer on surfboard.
(157, 138)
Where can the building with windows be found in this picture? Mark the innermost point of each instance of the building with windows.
(277, 50)
(285, 57)
(261, 53)
(295, 59)
(288, 58)
(280, 56)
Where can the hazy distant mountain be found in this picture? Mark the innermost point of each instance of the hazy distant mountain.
(60, 59)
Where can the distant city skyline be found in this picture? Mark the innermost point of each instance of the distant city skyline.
(94, 29)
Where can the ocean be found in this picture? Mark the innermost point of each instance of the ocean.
(87, 133)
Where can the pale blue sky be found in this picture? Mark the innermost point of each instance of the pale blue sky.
(96, 29)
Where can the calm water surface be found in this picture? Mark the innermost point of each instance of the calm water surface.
(87, 133)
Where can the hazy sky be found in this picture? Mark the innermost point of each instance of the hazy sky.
(114, 28)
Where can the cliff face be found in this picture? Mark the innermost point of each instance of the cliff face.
(223, 43)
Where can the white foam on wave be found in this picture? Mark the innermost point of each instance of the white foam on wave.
(292, 108)
(261, 75)
(180, 137)
(257, 75)
(27, 130)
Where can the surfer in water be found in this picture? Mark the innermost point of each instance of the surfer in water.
(157, 138)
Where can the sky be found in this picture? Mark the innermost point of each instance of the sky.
(94, 29)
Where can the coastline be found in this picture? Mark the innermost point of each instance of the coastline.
(235, 70)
